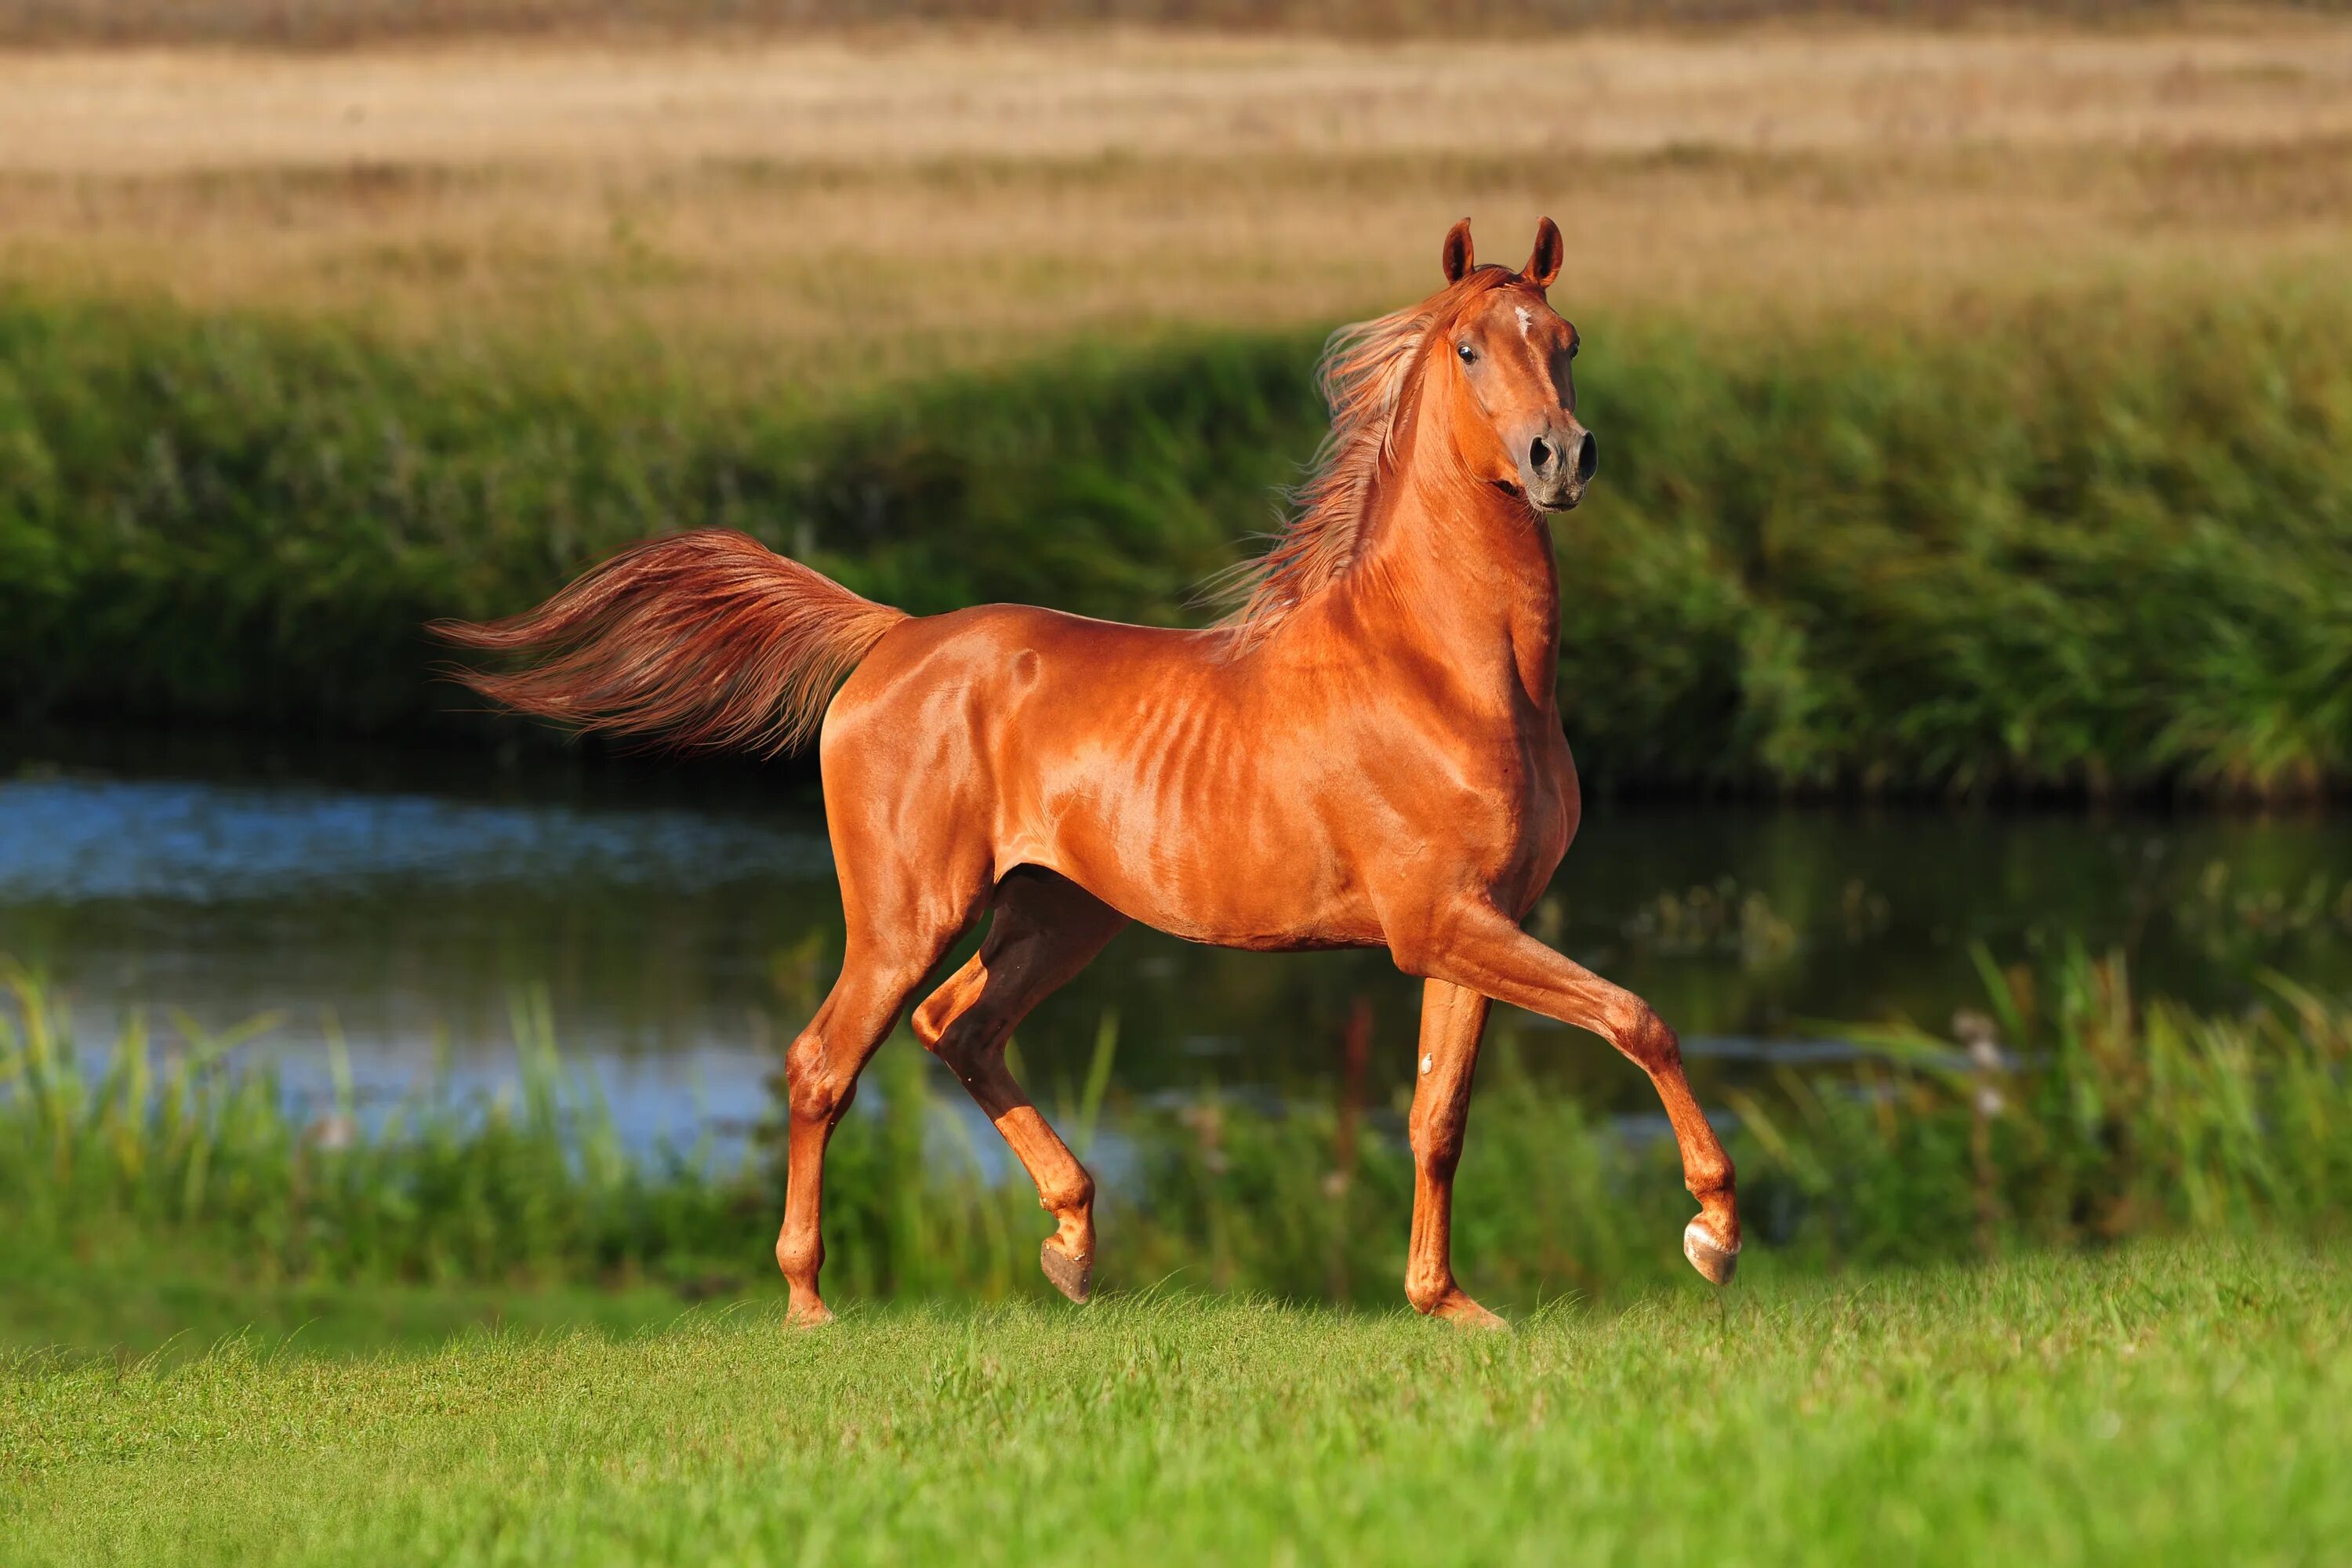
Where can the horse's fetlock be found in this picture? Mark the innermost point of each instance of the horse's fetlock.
(1073, 1195)
(1711, 1180)
(1428, 1290)
(801, 1259)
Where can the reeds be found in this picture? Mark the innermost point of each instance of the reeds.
(2083, 1116)
(533, 1183)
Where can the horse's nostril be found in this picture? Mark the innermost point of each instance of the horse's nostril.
(1588, 457)
(1542, 455)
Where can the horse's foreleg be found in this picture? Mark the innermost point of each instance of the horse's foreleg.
(1451, 1019)
(1046, 931)
(1479, 947)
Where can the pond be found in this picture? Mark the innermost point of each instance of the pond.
(681, 922)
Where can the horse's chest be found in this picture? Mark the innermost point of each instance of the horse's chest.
(1518, 813)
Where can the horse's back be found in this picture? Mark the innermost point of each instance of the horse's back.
(969, 705)
(991, 657)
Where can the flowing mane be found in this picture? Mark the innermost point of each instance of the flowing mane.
(1362, 376)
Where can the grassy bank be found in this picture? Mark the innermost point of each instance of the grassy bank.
(2173, 1403)
(2078, 541)
(2101, 1119)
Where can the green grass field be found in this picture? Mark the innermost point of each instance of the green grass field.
(2167, 1403)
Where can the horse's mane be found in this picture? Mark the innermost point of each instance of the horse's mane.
(1362, 375)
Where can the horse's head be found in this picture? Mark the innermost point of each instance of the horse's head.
(1510, 378)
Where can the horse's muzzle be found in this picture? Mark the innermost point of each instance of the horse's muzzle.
(1557, 467)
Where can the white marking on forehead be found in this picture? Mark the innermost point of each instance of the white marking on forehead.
(1526, 321)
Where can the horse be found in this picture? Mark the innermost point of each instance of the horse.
(1366, 751)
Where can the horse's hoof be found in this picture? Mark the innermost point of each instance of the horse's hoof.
(1073, 1277)
(1708, 1256)
(1465, 1313)
(809, 1314)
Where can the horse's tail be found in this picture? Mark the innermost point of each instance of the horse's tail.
(705, 640)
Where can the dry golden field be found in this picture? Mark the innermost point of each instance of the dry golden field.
(857, 208)
(330, 24)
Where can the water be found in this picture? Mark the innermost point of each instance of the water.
(682, 924)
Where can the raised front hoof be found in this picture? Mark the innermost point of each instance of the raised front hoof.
(809, 1314)
(1456, 1308)
(1073, 1277)
(1716, 1262)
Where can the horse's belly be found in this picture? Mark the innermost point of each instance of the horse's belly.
(1262, 908)
(1222, 879)
(1285, 868)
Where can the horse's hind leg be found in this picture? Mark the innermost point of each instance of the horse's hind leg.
(1047, 928)
(877, 974)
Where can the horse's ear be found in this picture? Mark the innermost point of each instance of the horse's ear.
(1543, 266)
(1458, 256)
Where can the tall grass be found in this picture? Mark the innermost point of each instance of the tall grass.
(2082, 544)
(533, 1183)
(2074, 1114)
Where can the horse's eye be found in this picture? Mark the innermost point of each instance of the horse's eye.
(1572, 348)
(1466, 351)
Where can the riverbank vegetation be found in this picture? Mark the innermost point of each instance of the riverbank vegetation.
(2083, 1117)
(2089, 542)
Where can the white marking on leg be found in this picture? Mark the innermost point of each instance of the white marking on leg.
(1426, 1063)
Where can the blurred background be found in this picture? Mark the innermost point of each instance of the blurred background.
(1961, 622)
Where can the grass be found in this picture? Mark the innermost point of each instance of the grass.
(2165, 1404)
(137, 1297)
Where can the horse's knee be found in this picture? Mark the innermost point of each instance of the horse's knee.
(1645, 1037)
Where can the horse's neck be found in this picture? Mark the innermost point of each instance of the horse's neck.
(1461, 571)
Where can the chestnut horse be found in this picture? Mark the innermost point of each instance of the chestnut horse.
(1366, 752)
